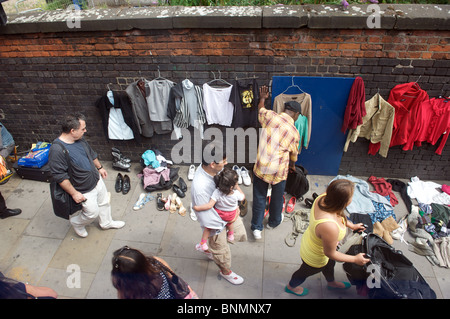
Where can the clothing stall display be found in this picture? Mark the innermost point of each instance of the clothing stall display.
(355, 110)
(406, 99)
(244, 97)
(185, 107)
(303, 123)
(117, 117)
(158, 100)
(217, 105)
(376, 126)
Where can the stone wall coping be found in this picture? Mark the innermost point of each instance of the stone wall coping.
(392, 17)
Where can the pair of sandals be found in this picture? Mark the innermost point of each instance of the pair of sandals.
(309, 202)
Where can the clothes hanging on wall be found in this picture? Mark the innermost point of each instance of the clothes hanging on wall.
(376, 126)
(217, 105)
(432, 123)
(185, 107)
(306, 103)
(158, 100)
(355, 110)
(117, 117)
(138, 93)
(406, 99)
(245, 96)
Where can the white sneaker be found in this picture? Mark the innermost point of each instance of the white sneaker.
(245, 176)
(238, 171)
(191, 172)
(233, 278)
(80, 231)
(115, 224)
(257, 234)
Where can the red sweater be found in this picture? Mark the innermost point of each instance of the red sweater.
(356, 107)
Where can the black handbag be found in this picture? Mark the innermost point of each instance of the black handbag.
(178, 286)
(63, 203)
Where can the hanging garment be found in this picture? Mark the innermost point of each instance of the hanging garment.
(158, 100)
(432, 123)
(406, 99)
(306, 103)
(118, 120)
(376, 127)
(138, 93)
(185, 107)
(217, 105)
(244, 97)
(356, 109)
(301, 124)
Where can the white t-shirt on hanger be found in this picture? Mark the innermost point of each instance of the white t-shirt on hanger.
(217, 105)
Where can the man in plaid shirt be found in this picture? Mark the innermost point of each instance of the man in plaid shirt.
(277, 153)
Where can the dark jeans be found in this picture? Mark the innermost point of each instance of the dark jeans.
(259, 203)
(306, 271)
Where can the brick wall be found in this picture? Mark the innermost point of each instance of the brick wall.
(46, 75)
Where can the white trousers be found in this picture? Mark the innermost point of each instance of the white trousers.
(97, 205)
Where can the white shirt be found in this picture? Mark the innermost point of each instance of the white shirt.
(117, 128)
(217, 105)
(227, 203)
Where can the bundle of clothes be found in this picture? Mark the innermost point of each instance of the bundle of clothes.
(158, 172)
(428, 221)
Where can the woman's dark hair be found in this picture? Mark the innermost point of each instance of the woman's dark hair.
(338, 195)
(135, 275)
(72, 122)
(226, 179)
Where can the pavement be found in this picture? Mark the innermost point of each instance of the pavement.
(43, 250)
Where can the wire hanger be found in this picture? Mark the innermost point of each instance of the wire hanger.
(159, 77)
(219, 79)
(293, 86)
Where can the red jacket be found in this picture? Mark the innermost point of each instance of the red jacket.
(406, 99)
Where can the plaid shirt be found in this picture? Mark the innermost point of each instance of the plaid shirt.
(278, 144)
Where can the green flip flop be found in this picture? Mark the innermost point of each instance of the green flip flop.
(304, 293)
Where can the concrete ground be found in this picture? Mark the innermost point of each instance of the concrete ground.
(42, 249)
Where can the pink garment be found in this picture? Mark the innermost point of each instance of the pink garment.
(446, 189)
(383, 188)
(152, 177)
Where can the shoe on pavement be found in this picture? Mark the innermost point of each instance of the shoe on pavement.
(10, 212)
(257, 234)
(115, 224)
(191, 172)
(245, 176)
(80, 231)
(238, 171)
(233, 278)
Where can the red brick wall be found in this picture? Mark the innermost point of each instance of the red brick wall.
(44, 75)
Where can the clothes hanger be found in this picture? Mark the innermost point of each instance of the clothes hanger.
(293, 86)
(110, 94)
(159, 77)
(219, 79)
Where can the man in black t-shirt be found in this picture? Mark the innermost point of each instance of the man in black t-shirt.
(86, 184)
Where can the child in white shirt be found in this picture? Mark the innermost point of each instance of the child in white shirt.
(225, 201)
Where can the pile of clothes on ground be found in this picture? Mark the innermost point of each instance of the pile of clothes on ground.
(158, 172)
(427, 222)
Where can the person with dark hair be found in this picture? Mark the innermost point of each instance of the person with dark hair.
(327, 226)
(225, 201)
(202, 187)
(137, 276)
(86, 185)
(13, 289)
(277, 154)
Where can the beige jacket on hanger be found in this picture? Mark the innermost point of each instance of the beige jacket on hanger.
(377, 124)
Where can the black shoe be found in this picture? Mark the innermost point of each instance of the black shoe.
(183, 185)
(119, 183)
(309, 202)
(159, 202)
(243, 207)
(178, 191)
(314, 195)
(126, 185)
(10, 212)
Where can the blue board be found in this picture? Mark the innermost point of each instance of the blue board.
(329, 101)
